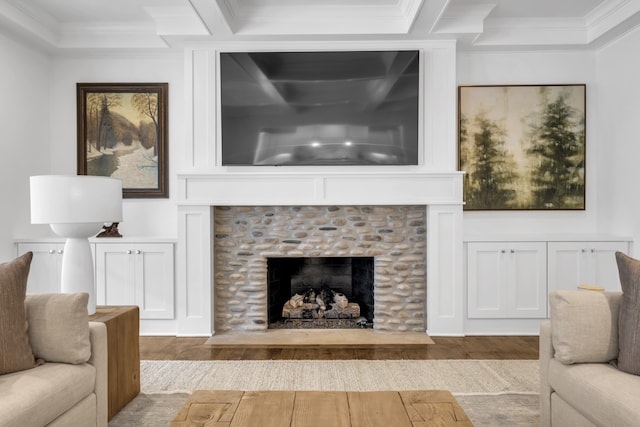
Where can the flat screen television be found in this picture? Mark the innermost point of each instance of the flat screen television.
(319, 108)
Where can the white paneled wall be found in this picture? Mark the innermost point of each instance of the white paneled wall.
(433, 183)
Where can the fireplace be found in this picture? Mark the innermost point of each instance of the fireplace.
(205, 261)
(320, 292)
(248, 238)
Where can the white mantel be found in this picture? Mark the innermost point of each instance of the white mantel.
(440, 193)
(315, 188)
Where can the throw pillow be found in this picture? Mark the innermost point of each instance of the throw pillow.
(15, 350)
(59, 327)
(584, 326)
(629, 323)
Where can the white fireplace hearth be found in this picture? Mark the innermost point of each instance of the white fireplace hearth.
(430, 281)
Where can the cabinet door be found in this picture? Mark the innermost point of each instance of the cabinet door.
(46, 266)
(527, 280)
(115, 263)
(154, 278)
(565, 265)
(506, 280)
(584, 263)
(486, 280)
(602, 266)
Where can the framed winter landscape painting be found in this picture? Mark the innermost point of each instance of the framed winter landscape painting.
(522, 146)
(122, 133)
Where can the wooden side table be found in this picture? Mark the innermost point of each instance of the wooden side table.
(123, 329)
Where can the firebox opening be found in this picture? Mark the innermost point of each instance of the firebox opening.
(299, 287)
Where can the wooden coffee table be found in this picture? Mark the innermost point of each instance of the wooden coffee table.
(321, 408)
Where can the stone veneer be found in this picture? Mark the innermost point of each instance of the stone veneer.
(244, 237)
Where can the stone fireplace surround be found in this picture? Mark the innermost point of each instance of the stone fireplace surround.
(438, 196)
(245, 236)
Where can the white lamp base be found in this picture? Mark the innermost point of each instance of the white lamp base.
(77, 260)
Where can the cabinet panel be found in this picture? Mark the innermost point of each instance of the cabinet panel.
(46, 266)
(114, 271)
(486, 278)
(528, 280)
(564, 266)
(139, 274)
(604, 271)
(506, 280)
(155, 280)
(584, 263)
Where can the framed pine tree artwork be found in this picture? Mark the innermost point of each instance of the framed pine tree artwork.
(522, 147)
(122, 133)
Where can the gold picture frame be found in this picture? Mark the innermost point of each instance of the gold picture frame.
(523, 147)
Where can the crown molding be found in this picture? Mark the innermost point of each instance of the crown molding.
(31, 22)
(609, 15)
(110, 36)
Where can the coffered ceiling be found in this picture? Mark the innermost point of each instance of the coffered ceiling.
(65, 24)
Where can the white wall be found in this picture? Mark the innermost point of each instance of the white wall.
(38, 122)
(141, 217)
(24, 134)
(38, 129)
(618, 110)
(537, 67)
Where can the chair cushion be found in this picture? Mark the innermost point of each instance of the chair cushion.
(59, 327)
(584, 325)
(629, 323)
(15, 349)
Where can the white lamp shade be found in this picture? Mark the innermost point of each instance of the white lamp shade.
(76, 206)
(75, 199)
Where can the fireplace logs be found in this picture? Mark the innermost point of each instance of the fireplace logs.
(325, 304)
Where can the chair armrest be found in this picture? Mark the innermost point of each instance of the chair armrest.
(546, 354)
(99, 359)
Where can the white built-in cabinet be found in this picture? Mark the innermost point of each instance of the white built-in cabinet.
(506, 280)
(136, 274)
(511, 279)
(584, 263)
(127, 271)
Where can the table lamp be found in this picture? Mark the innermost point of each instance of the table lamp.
(76, 207)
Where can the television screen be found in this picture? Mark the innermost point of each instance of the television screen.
(319, 108)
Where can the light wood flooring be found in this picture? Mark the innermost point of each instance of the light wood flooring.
(473, 347)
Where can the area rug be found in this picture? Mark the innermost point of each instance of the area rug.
(493, 393)
(457, 376)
